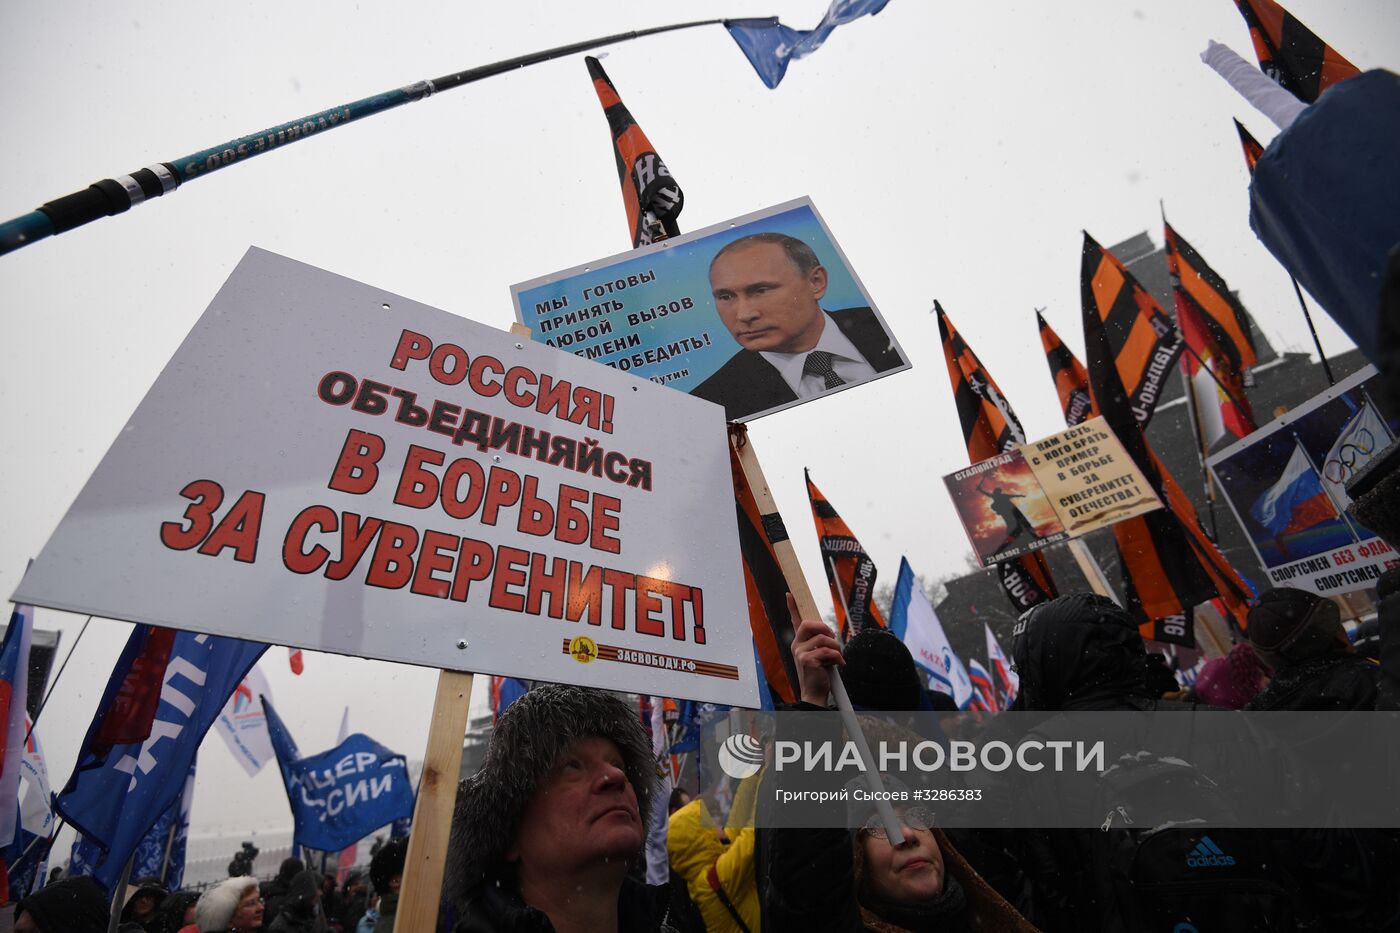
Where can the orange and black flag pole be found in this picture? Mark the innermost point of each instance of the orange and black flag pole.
(1171, 563)
(990, 428)
(849, 570)
(651, 196)
(1291, 53)
(1071, 379)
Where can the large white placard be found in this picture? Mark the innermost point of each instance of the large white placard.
(327, 465)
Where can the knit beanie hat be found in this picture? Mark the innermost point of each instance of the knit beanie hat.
(880, 672)
(387, 864)
(1288, 625)
(1231, 681)
(216, 907)
(529, 737)
(74, 905)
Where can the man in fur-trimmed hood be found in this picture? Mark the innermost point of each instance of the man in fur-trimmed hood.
(544, 833)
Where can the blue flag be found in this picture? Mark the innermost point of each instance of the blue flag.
(117, 793)
(770, 45)
(687, 733)
(161, 852)
(340, 796)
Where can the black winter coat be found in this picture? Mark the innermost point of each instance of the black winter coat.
(641, 908)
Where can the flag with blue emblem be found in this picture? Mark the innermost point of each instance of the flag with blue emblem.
(770, 45)
(914, 620)
(118, 791)
(342, 795)
(161, 852)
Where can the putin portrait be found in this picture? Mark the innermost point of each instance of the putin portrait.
(768, 288)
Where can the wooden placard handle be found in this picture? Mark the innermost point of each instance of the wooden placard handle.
(421, 891)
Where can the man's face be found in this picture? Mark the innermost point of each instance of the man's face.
(583, 812)
(766, 301)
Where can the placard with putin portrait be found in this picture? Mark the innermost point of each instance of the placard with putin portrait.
(755, 314)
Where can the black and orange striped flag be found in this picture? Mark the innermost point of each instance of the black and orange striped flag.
(1291, 53)
(1164, 619)
(988, 423)
(766, 588)
(1143, 338)
(1215, 327)
(849, 570)
(1252, 150)
(1169, 561)
(1195, 283)
(989, 428)
(1071, 380)
(652, 197)
(1214, 380)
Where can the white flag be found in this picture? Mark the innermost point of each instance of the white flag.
(243, 724)
(1365, 435)
(913, 618)
(35, 811)
(1208, 397)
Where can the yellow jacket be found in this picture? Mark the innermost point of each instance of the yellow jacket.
(694, 847)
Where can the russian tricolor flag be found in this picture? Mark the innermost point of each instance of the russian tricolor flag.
(1297, 501)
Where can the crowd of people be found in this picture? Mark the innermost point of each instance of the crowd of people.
(297, 900)
(549, 834)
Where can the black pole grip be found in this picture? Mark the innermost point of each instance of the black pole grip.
(81, 207)
(102, 199)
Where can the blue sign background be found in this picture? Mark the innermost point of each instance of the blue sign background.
(681, 267)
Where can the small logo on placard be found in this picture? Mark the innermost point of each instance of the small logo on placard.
(741, 756)
(583, 648)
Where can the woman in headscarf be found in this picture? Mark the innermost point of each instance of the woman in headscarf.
(234, 905)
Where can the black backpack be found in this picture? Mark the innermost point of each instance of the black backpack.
(1178, 875)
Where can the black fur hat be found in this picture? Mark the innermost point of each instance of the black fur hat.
(388, 864)
(528, 738)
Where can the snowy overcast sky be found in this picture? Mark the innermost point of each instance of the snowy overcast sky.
(955, 150)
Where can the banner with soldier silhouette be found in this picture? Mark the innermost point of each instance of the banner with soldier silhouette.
(1049, 490)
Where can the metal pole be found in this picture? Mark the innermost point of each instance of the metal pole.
(169, 844)
(119, 896)
(117, 195)
(840, 594)
(68, 657)
(1326, 367)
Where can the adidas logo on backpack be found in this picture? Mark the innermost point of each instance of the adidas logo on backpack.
(1207, 855)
